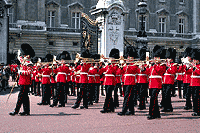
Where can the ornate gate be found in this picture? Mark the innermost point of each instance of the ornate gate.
(89, 34)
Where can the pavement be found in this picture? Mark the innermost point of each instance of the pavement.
(44, 119)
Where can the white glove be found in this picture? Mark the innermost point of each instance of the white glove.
(101, 60)
(121, 61)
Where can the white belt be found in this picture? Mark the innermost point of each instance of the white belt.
(118, 75)
(168, 74)
(83, 73)
(155, 76)
(69, 74)
(45, 75)
(195, 76)
(129, 74)
(61, 73)
(97, 75)
(142, 75)
(109, 75)
(31, 75)
(91, 75)
(77, 75)
(179, 73)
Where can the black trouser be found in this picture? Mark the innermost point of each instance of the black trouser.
(4, 84)
(53, 88)
(13, 76)
(154, 109)
(108, 104)
(166, 96)
(96, 92)
(179, 84)
(83, 93)
(173, 89)
(129, 96)
(66, 91)
(102, 93)
(116, 100)
(196, 99)
(46, 93)
(188, 92)
(23, 99)
(33, 87)
(73, 92)
(38, 88)
(91, 90)
(59, 96)
(142, 94)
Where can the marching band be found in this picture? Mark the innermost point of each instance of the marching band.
(88, 73)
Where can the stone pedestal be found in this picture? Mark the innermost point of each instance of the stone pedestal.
(110, 15)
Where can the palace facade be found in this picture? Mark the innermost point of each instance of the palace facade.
(52, 26)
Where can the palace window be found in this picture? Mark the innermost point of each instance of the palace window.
(11, 19)
(181, 26)
(76, 20)
(162, 24)
(51, 18)
(140, 22)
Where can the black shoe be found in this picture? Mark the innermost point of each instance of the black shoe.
(75, 106)
(167, 110)
(61, 105)
(180, 97)
(35, 94)
(13, 113)
(121, 113)
(95, 101)
(51, 98)
(195, 114)
(24, 113)
(104, 111)
(40, 103)
(150, 117)
(83, 107)
(129, 113)
(102, 95)
(51, 105)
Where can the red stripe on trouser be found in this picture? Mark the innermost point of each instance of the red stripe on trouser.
(129, 96)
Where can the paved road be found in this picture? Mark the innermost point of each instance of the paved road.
(68, 120)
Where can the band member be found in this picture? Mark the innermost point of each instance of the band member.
(61, 81)
(187, 78)
(155, 83)
(109, 81)
(91, 83)
(130, 71)
(46, 71)
(195, 82)
(38, 79)
(168, 80)
(83, 71)
(53, 79)
(24, 80)
(142, 80)
(33, 85)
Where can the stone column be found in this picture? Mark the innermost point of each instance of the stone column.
(41, 10)
(21, 9)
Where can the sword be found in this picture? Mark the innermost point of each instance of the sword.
(12, 88)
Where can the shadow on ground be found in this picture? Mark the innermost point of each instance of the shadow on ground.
(59, 114)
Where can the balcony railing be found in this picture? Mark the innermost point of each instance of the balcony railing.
(158, 34)
(57, 29)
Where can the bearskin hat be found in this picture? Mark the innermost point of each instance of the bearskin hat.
(158, 51)
(35, 59)
(49, 57)
(26, 49)
(67, 55)
(188, 52)
(195, 54)
(170, 53)
(86, 54)
(142, 53)
(114, 53)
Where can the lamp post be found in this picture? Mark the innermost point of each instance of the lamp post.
(7, 6)
(141, 37)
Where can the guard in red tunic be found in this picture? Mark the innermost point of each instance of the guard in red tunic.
(53, 79)
(83, 71)
(179, 77)
(61, 80)
(188, 69)
(46, 71)
(33, 85)
(155, 83)
(109, 81)
(195, 82)
(129, 71)
(168, 80)
(142, 79)
(24, 80)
